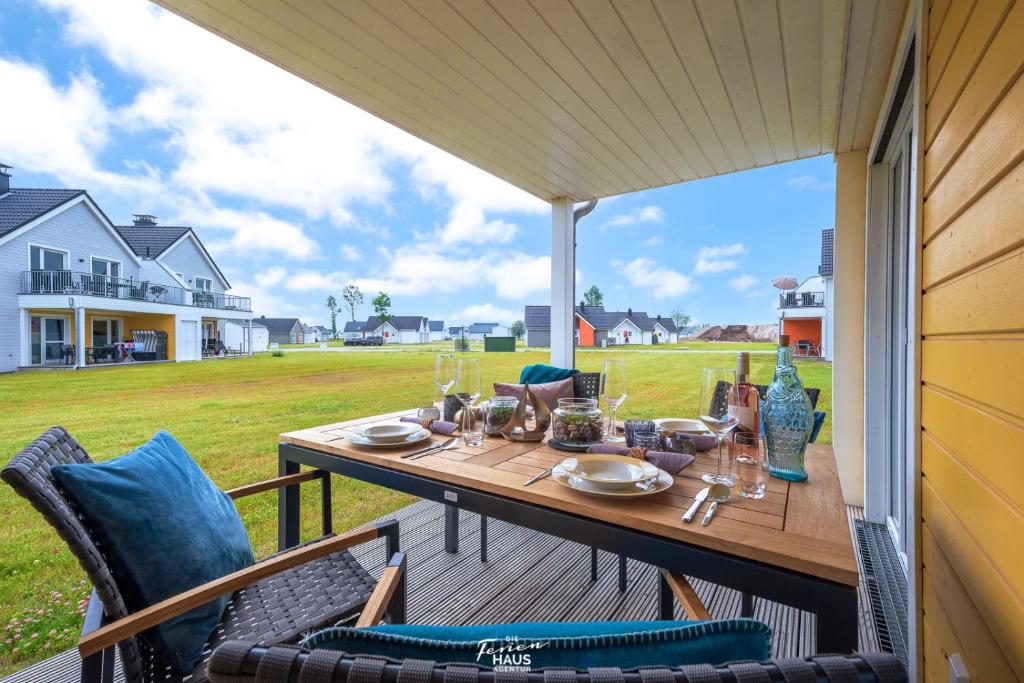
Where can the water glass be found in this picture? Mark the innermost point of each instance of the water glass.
(631, 427)
(467, 388)
(429, 413)
(747, 464)
(648, 440)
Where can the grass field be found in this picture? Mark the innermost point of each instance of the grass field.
(228, 414)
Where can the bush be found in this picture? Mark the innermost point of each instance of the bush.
(277, 353)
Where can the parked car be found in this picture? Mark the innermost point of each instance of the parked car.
(358, 341)
(374, 341)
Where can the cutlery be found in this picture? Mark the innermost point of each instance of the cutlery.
(431, 447)
(546, 473)
(710, 512)
(447, 446)
(697, 500)
(719, 493)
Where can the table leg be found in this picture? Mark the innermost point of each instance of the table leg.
(747, 606)
(622, 573)
(593, 563)
(666, 600)
(287, 503)
(451, 528)
(483, 538)
(837, 621)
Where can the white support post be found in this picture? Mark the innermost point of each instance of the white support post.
(563, 277)
(80, 336)
(25, 330)
(248, 334)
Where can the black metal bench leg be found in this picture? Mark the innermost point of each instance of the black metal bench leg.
(666, 601)
(483, 538)
(593, 563)
(622, 573)
(451, 528)
(747, 606)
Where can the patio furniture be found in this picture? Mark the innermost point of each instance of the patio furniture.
(67, 353)
(238, 662)
(221, 348)
(276, 600)
(792, 547)
(100, 354)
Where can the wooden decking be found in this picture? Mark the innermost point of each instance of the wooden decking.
(530, 576)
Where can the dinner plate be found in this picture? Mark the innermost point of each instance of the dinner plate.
(414, 438)
(609, 471)
(661, 483)
(393, 433)
(685, 425)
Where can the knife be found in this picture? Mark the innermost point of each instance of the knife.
(431, 447)
(697, 500)
(538, 477)
(711, 511)
(446, 446)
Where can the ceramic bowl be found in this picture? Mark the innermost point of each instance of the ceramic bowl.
(612, 471)
(390, 433)
(703, 438)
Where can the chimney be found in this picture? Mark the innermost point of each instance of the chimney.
(5, 178)
(143, 220)
(582, 304)
(629, 312)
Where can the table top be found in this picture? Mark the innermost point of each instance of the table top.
(797, 526)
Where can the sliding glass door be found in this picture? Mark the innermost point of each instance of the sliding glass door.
(48, 335)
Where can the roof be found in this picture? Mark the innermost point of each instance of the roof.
(455, 330)
(280, 325)
(354, 326)
(399, 322)
(539, 317)
(828, 250)
(21, 205)
(150, 241)
(481, 328)
(436, 326)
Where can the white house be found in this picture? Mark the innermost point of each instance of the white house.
(310, 334)
(805, 313)
(354, 329)
(399, 329)
(436, 330)
(598, 327)
(236, 336)
(76, 289)
(477, 331)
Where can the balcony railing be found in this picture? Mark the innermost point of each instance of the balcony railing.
(91, 284)
(801, 299)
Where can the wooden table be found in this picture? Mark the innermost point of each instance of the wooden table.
(793, 546)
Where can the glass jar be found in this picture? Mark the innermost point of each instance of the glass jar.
(497, 412)
(577, 421)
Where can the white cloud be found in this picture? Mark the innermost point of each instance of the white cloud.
(314, 281)
(248, 231)
(715, 259)
(809, 182)
(485, 313)
(653, 241)
(742, 283)
(643, 214)
(661, 281)
(351, 253)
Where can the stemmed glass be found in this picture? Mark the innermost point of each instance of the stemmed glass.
(444, 372)
(467, 388)
(714, 408)
(613, 388)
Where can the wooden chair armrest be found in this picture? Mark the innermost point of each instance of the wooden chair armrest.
(133, 624)
(377, 605)
(687, 597)
(275, 483)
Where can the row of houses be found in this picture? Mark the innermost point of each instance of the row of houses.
(597, 327)
(414, 329)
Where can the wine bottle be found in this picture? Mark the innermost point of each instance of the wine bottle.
(744, 405)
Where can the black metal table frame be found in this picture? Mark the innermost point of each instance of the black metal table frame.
(834, 604)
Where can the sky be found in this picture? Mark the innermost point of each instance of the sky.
(297, 193)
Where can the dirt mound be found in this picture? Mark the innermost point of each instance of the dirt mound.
(738, 333)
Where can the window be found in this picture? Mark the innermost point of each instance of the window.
(203, 284)
(41, 258)
(105, 331)
(108, 267)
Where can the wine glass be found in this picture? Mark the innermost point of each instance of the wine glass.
(714, 413)
(444, 372)
(467, 388)
(613, 388)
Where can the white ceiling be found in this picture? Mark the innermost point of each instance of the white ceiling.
(589, 98)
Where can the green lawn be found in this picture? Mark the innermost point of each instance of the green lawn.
(228, 413)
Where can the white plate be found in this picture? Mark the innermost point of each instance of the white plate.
(608, 470)
(682, 424)
(388, 433)
(663, 482)
(414, 438)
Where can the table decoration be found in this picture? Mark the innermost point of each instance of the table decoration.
(517, 428)
(497, 412)
(577, 422)
(436, 426)
(429, 413)
(673, 463)
(452, 405)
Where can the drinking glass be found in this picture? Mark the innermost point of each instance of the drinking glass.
(715, 385)
(444, 372)
(467, 388)
(613, 388)
(649, 440)
(747, 467)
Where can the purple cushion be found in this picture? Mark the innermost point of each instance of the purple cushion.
(549, 392)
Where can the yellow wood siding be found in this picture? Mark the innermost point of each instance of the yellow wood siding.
(972, 321)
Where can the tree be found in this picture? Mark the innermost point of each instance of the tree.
(517, 329)
(593, 297)
(332, 306)
(353, 298)
(381, 305)
(681, 318)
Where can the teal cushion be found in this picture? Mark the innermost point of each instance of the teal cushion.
(578, 645)
(165, 528)
(542, 374)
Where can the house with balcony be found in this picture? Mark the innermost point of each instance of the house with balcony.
(805, 313)
(76, 290)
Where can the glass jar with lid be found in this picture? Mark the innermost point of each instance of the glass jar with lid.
(497, 412)
(577, 421)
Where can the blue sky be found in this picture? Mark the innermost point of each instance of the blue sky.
(298, 193)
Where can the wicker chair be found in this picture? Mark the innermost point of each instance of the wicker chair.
(275, 601)
(241, 662)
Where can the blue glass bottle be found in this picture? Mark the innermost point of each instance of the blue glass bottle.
(788, 419)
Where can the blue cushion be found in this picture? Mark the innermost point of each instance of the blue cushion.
(819, 422)
(165, 528)
(579, 645)
(542, 374)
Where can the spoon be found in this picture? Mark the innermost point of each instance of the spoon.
(719, 493)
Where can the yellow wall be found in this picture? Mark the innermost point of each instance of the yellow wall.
(152, 321)
(972, 308)
(848, 324)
